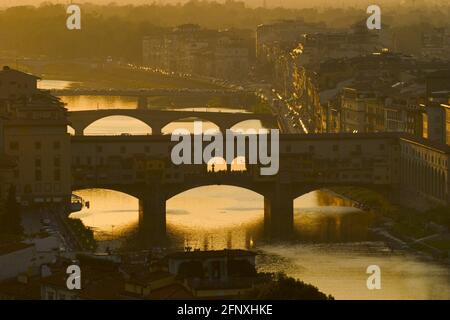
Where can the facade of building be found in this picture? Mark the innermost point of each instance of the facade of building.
(282, 33)
(361, 110)
(7, 164)
(15, 84)
(438, 116)
(190, 49)
(215, 274)
(425, 169)
(36, 138)
(438, 99)
(436, 44)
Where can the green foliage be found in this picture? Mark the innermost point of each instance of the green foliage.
(282, 287)
(84, 234)
(368, 197)
(407, 222)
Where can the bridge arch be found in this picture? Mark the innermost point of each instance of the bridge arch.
(126, 190)
(220, 164)
(206, 124)
(158, 119)
(70, 130)
(118, 125)
(110, 211)
(193, 185)
(252, 124)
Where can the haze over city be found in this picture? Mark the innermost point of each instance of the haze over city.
(255, 150)
(250, 3)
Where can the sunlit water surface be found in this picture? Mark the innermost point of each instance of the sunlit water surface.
(332, 248)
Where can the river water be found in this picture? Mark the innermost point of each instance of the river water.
(332, 247)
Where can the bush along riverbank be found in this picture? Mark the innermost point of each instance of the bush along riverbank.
(83, 234)
(403, 227)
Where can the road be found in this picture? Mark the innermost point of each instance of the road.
(51, 221)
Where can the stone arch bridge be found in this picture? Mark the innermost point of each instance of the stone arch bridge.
(158, 119)
(141, 166)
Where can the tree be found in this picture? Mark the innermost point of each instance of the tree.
(11, 219)
(282, 287)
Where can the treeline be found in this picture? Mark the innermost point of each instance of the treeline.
(117, 30)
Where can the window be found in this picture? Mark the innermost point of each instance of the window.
(38, 175)
(123, 149)
(14, 145)
(99, 149)
(37, 162)
(57, 175)
(27, 189)
(335, 147)
(57, 162)
(56, 145)
(38, 145)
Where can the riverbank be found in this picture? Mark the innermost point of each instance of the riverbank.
(425, 232)
(98, 74)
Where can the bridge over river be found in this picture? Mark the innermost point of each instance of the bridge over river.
(141, 166)
(158, 119)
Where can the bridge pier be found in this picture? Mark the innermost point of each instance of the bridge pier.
(279, 213)
(156, 128)
(152, 218)
(142, 102)
(79, 130)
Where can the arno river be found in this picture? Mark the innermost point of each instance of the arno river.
(332, 248)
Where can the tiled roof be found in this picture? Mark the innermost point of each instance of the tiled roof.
(6, 71)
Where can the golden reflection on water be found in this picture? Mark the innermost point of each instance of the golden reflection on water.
(217, 217)
(339, 269)
(78, 103)
(110, 213)
(211, 209)
(333, 247)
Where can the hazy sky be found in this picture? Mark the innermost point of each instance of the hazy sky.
(269, 3)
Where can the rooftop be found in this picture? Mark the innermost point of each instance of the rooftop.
(7, 71)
